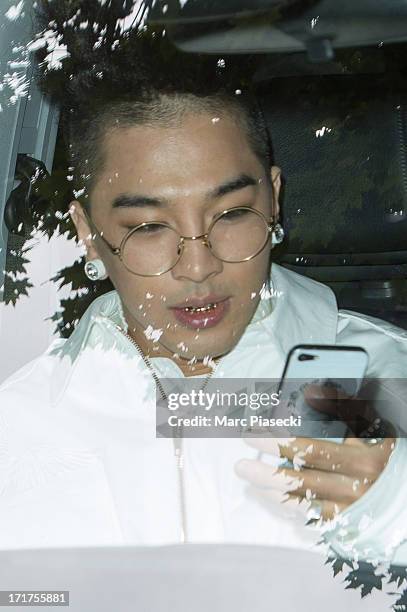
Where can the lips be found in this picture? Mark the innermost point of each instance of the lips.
(200, 302)
(202, 313)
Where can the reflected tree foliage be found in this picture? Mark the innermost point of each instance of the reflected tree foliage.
(345, 134)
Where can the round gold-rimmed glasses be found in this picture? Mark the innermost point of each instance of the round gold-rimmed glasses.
(153, 248)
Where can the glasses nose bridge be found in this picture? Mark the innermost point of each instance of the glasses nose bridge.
(204, 238)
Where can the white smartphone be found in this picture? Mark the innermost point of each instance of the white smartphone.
(343, 367)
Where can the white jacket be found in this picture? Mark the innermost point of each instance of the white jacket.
(80, 464)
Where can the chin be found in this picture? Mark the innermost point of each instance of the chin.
(203, 350)
(214, 342)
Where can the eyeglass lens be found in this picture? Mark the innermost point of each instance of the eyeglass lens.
(238, 234)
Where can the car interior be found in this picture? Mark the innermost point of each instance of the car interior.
(331, 83)
(341, 142)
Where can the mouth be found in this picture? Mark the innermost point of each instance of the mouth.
(202, 313)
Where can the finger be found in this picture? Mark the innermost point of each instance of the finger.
(319, 508)
(262, 475)
(323, 399)
(307, 483)
(331, 509)
(355, 411)
(322, 485)
(289, 505)
(325, 508)
(311, 453)
(372, 459)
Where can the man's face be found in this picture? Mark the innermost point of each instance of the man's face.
(175, 175)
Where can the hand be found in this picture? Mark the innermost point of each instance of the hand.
(333, 475)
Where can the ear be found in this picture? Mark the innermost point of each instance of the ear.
(83, 230)
(275, 174)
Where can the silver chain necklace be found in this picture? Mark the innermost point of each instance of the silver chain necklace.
(177, 438)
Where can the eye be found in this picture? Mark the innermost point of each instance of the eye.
(235, 214)
(149, 228)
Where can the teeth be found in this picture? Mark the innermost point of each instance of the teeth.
(200, 309)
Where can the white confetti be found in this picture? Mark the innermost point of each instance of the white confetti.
(153, 334)
(324, 130)
(208, 361)
(15, 11)
(135, 19)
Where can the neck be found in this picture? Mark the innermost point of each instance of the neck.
(155, 349)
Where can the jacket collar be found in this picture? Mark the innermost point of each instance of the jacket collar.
(304, 311)
(296, 310)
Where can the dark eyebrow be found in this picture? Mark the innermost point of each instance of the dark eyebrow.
(126, 200)
(235, 184)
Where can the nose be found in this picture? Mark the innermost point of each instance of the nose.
(197, 263)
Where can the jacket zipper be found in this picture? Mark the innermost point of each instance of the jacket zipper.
(177, 442)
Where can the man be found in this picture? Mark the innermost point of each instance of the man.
(180, 210)
(81, 464)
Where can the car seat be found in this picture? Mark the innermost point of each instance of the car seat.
(341, 143)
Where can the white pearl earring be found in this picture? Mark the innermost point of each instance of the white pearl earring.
(95, 270)
(277, 234)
